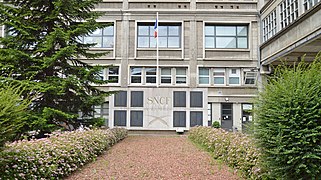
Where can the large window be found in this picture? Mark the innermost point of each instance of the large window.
(225, 36)
(103, 38)
(307, 4)
(169, 35)
(288, 12)
(269, 25)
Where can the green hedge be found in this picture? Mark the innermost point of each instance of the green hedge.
(57, 156)
(235, 149)
(288, 122)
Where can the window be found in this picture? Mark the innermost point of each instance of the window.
(209, 114)
(150, 75)
(307, 4)
(169, 35)
(204, 76)
(217, 36)
(101, 75)
(136, 118)
(120, 99)
(137, 99)
(269, 25)
(179, 99)
(234, 76)
(196, 118)
(179, 119)
(196, 99)
(103, 38)
(288, 12)
(181, 75)
(102, 111)
(120, 118)
(250, 78)
(219, 76)
(113, 74)
(145, 36)
(136, 75)
(166, 76)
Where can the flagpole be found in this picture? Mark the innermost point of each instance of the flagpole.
(157, 55)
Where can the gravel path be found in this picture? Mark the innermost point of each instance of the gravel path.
(155, 157)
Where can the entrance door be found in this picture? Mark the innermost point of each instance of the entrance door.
(227, 116)
(246, 115)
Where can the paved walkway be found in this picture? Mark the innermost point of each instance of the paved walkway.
(155, 157)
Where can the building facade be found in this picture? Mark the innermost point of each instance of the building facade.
(213, 55)
(291, 29)
(208, 63)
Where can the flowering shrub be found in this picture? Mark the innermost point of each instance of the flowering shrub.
(56, 156)
(236, 149)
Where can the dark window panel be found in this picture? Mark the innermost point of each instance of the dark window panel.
(196, 118)
(179, 99)
(196, 99)
(137, 99)
(120, 118)
(179, 118)
(136, 118)
(120, 99)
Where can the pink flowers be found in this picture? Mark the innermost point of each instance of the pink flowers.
(58, 155)
(236, 149)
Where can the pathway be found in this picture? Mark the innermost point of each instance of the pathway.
(155, 157)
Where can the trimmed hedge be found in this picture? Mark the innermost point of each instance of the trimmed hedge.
(236, 149)
(57, 156)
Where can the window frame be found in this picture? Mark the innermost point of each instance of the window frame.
(237, 74)
(269, 25)
(173, 76)
(309, 4)
(181, 76)
(82, 38)
(170, 75)
(146, 76)
(287, 14)
(141, 75)
(220, 24)
(151, 23)
(113, 75)
(245, 73)
(204, 76)
(224, 76)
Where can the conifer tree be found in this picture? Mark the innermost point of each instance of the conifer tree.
(42, 50)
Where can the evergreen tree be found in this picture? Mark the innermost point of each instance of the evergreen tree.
(42, 49)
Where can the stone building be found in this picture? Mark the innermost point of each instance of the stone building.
(208, 63)
(212, 57)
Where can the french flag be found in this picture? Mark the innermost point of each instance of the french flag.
(155, 29)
